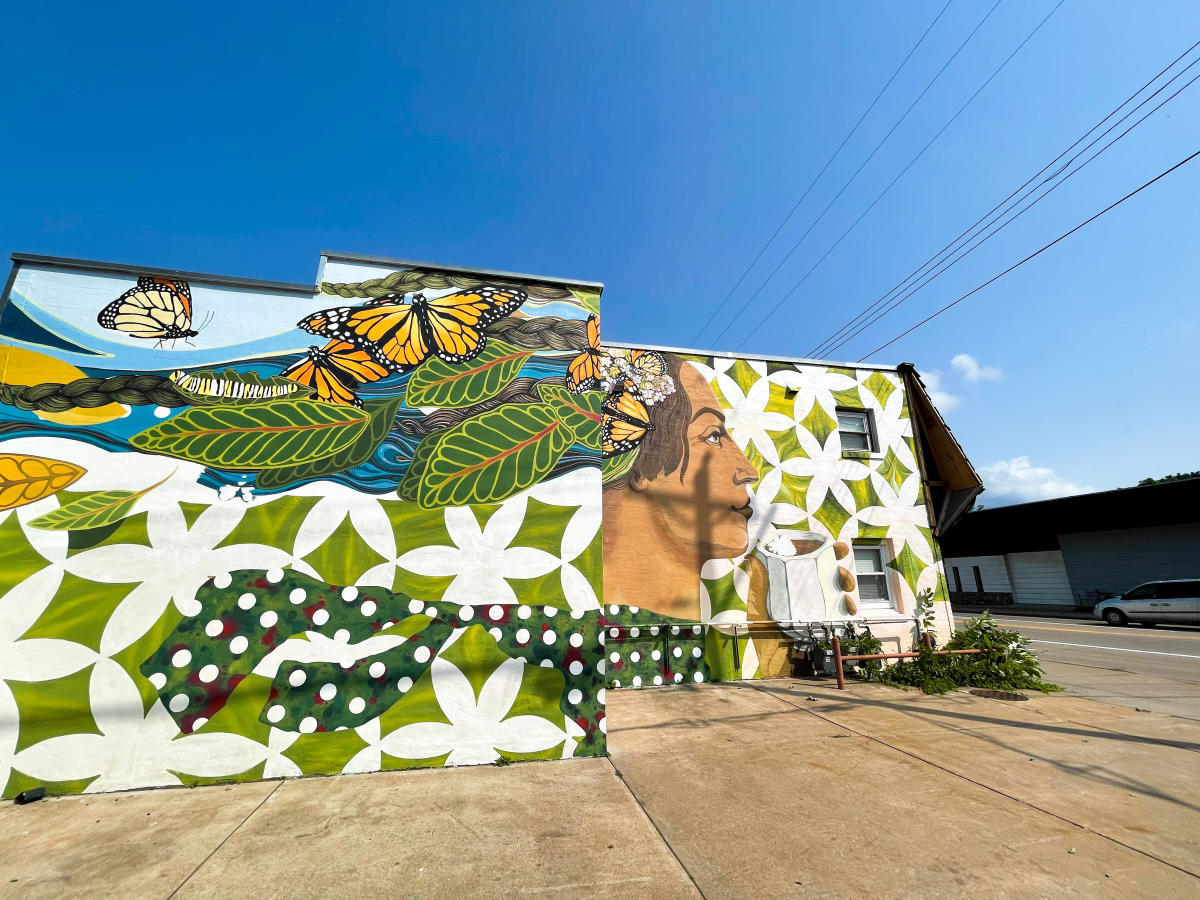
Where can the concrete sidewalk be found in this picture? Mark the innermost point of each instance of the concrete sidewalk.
(768, 789)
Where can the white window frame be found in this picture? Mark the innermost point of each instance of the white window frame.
(889, 603)
(868, 430)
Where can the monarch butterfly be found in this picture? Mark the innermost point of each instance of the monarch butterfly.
(335, 370)
(157, 309)
(649, 363)
(583, 372)
(402, 335)
(626, 421)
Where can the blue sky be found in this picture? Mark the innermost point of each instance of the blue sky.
(655, 147)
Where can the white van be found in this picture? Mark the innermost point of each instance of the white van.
(1169, 602)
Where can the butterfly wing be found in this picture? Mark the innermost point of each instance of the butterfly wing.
(154, 310)
(593, 331)
(455, 322)
(583, 372)
(649, 362)
(625, 421)
(354, 363)
(330, 381)
(387, 328)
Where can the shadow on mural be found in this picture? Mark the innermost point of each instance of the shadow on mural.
(248, 559)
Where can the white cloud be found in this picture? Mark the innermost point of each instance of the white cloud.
(942, 399)
(1017, 481)
(972, 371)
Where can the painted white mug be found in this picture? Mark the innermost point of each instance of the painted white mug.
(801, 577)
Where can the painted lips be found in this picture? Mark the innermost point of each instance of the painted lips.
(744, 511)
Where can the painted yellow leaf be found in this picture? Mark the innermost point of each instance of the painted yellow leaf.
(28, 367)
(24, 479)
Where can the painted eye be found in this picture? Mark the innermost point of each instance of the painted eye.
(714, 438)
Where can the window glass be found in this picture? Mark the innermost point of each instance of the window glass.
(851, 441)
(1145, 592)
(1179, 590)
(872, 579)
(854, 428)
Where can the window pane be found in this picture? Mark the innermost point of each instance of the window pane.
(872, 589)
(849, 421)
(851, 441)
(867, 561)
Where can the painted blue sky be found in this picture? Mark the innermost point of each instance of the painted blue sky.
(655, 147)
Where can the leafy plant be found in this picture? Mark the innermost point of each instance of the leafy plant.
(927, 616)
(282, 433)
(382, 413)
(491, 456)
(439, 383)
(1007, 663)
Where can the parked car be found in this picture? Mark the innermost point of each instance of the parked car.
(1175, 602)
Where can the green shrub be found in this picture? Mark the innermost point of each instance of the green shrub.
(1008, 664)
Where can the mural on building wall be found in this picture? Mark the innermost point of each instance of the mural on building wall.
(731, 476)
(227, 557)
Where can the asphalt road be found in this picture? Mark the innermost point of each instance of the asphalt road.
(1156, 669)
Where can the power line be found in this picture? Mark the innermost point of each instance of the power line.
(898, 302)
(850, 181)
(817, 177)
(885, 191)
(1033, 255)
(848, 330)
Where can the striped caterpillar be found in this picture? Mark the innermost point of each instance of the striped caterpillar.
(232, 387)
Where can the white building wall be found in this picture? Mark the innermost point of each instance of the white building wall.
(1039, 577)
(992, 570)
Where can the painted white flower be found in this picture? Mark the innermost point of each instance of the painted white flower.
(35, 659)
(478, 730)
(133, 751)
(481, 559)
(746, 417)
(179, 560)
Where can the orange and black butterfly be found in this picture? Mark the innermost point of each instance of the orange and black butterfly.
(649, 362)
(157, 309)
(626, 421)
(402, 335)
(583, 372)
(335, 370)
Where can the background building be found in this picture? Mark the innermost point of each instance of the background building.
(1075, 549)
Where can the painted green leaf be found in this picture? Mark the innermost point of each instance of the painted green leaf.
(381, 413)
(793, 489)
(230, 387)
(879, 385)
(909, 565)
(493, 455)
(581, 413)
(453, 386)
(286, 432)
(832, 514)
(787, 444)
(819, 423)
(94, 510)
(588, 299)
(893, 471)
(850, 398)
(410, 485)
(613, 467)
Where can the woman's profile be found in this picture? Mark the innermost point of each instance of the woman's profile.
(684, 500)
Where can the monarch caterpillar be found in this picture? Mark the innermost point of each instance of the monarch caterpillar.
(230, 387)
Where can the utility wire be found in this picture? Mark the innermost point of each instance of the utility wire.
(812, 184)
(762, 321)
(940, 258)
(862, 165)
(1036, 253)
(947, 266)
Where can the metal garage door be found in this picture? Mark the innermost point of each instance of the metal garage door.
(1039, 577)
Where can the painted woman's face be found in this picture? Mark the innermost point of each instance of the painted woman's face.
(707, 500)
